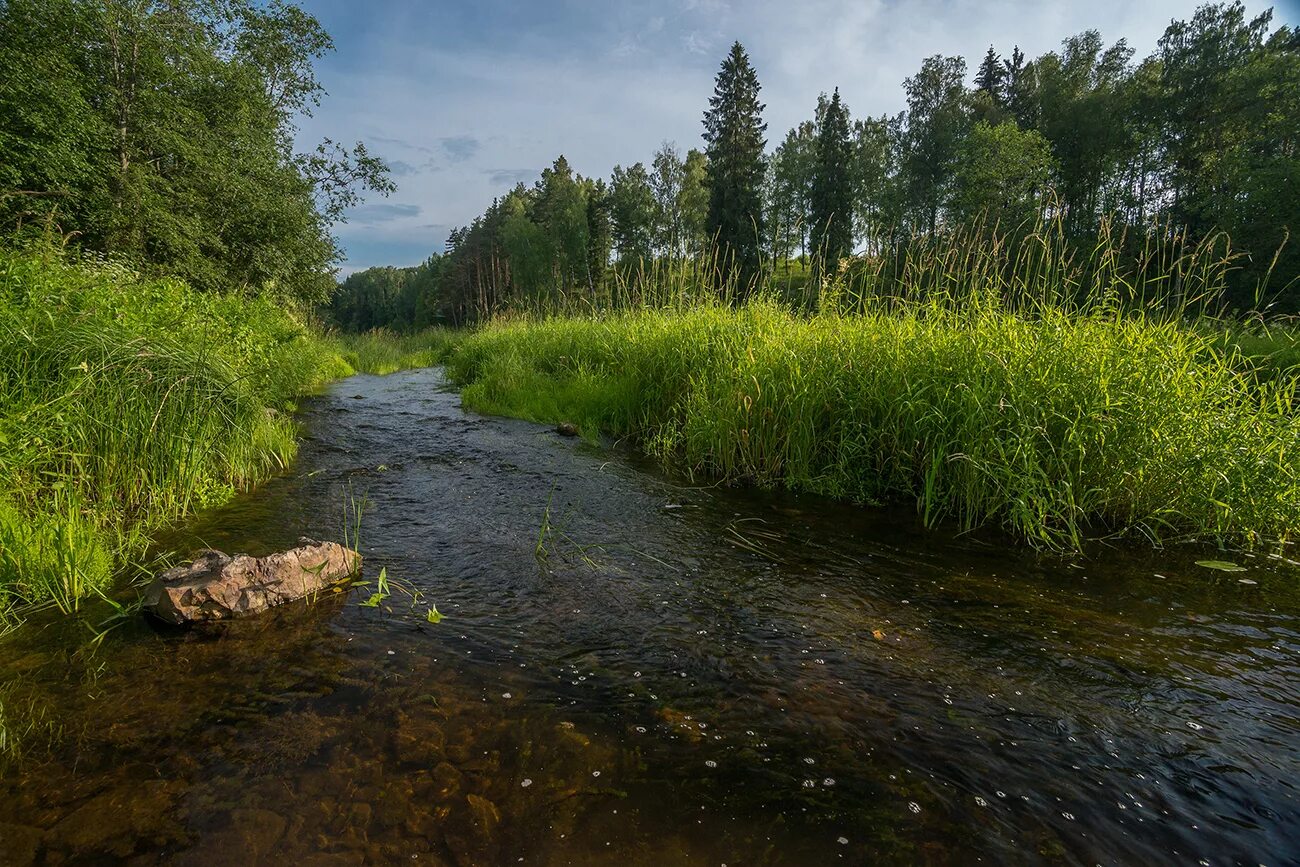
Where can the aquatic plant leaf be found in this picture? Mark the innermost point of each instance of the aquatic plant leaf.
(433, 615)
(1221, 565)
(381, 593)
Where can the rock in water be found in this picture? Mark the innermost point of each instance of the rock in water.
(217, 586)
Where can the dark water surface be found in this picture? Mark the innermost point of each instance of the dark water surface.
(688, 675)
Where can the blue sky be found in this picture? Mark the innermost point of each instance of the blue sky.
(466, 98)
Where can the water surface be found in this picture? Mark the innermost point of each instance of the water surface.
(676, 674)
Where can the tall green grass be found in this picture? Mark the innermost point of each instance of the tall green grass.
(1055, 426)
(127, 403)
(383, 352)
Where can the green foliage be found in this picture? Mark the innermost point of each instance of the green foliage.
(401, 299)
(1053, 426)
(632, 210)
(127, 402)
(832, 187)
(382, 352)
(1132, 159)
(1002, 175)
(734, 131)
(936, 123)
(162, 133)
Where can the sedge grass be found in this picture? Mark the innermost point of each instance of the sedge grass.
(1057, 426)
(127, 403)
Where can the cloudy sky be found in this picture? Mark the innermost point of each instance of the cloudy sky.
(465, 98)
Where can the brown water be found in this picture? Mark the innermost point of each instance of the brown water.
(688, 676)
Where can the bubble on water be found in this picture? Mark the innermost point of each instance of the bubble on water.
(595, 773)
(710, 763)
(980, 801)
(636, 674)
(640, 729)
(829, 781)
(843, 841)
(1196, 727)
(525, 783)
(809, 761)
(1000, 793)
(810, 784)
(914, 806)
(506, 695)
(1069, 816)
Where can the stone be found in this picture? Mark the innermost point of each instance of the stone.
(566, 429)
(19, 844)
(115, 821)
(217, 586)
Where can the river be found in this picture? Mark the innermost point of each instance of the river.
(635, 669)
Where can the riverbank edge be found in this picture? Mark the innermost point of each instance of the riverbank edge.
(1058, 428)
(128, 403)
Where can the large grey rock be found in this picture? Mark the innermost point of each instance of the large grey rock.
(217, 586)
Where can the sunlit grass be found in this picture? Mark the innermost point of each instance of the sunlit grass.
(1054, 426)
(127, 403)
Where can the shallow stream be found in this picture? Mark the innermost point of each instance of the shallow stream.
(635, 670)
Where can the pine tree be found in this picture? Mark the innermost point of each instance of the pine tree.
(734, 130)
(832, 189)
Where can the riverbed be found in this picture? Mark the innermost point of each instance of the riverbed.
(636, 668)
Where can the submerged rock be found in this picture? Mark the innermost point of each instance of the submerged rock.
(217, 586)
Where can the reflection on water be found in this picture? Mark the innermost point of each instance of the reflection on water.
(681, 675)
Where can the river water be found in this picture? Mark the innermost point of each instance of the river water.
(633, 669)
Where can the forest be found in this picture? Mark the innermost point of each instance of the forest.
(1197, 141)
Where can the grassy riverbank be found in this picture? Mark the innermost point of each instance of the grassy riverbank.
(127, 403)
(1056, 427)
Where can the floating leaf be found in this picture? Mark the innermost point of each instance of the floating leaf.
(878, 635)
(1221, 565)
(433, 615)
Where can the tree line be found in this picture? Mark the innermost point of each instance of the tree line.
(161, 132)
(1196, 139)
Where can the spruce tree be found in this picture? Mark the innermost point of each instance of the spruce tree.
(733, 130)
(991, 75)
(832, 189)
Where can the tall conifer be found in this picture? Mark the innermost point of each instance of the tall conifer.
(734, 131)
(832, 188)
